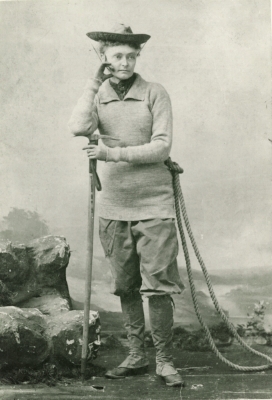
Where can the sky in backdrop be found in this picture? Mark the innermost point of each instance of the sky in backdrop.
(214, 59)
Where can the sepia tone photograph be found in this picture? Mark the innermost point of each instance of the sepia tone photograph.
(135, 206)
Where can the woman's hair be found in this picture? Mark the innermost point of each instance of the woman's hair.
(108, 43)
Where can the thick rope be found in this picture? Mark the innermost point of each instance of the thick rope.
(180, 206)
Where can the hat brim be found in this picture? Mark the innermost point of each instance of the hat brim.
(119, 37)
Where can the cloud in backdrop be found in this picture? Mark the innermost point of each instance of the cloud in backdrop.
(214, 60)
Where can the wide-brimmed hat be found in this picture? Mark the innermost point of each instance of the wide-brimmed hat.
(119, 33)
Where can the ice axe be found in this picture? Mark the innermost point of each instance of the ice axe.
(94, 183)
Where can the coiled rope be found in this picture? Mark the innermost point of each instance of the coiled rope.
(180, 208)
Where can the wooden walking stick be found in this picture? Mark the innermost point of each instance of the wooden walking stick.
(94, 183)
(89, 263)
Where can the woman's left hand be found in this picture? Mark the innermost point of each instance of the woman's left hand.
(97, 152)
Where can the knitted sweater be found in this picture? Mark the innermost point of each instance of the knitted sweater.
(136, 184)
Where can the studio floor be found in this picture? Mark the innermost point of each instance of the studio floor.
(205, 377)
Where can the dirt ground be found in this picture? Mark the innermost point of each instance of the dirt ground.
(205, 377)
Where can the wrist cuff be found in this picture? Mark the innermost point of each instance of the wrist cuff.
(116, 154)
(93, 85)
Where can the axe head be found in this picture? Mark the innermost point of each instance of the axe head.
(95, 136)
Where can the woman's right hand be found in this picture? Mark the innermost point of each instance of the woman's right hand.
(100, 75)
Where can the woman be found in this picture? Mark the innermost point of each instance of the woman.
(136, 205)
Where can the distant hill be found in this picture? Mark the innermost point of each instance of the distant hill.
(100, 269)
(237, 292)
(255, 277)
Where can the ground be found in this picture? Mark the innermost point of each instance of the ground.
(205, 377)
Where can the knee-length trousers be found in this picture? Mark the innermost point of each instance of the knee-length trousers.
(142, 255)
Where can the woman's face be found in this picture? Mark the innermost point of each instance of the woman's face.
(123, 60)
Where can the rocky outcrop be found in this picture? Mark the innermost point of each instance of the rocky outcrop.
(23, 338)
(35, 269)
(66, 333)
(49, 304)
(36, 317)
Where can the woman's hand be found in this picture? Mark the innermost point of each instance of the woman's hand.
(100, 75)
(97, 152)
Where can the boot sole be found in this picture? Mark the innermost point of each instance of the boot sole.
(173, 384)
(176, 384)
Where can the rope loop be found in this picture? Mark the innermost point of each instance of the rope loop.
(173, 166)
(182, 213)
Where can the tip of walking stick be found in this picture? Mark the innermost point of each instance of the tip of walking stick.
(83, 368)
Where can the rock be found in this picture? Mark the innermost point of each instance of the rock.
(31, 270)
(49, 257)
(5, 295)
(23, 337)
(66, 332)
(21, 295)
(260, 340)
(48, 304)
(223, 343)
(110, 342)
(14, 265)
(33, 276)
(28, 337)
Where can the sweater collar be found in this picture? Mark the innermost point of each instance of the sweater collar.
(107, 94)
(123, 87)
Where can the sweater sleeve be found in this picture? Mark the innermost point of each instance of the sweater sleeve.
(158, 149)
(84, 118)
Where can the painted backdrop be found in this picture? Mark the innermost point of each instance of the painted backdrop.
(214, 59)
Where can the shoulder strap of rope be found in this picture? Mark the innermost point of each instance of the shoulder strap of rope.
(181, 211)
